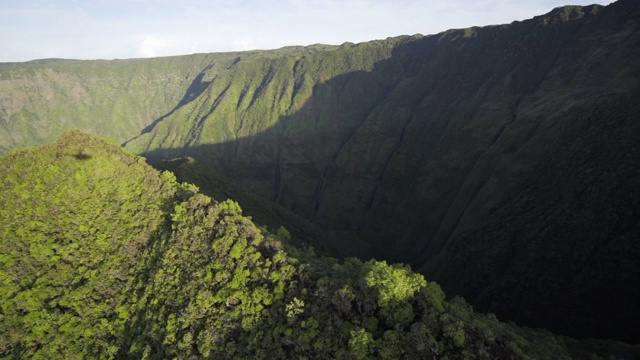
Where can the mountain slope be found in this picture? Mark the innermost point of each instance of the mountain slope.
(118, 99)
(501, 161)
(459, 153)
(134, 265)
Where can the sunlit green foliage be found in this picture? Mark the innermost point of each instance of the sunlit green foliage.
(76, 217)
(103, 257)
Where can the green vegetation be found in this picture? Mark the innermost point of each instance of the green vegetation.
(265, 212)
(102, 256)
(78, 217)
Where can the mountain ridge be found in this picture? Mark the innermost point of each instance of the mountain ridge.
(140, 266)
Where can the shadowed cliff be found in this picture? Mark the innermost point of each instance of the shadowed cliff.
(498, 160)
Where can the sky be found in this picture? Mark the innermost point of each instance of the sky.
(120, 29)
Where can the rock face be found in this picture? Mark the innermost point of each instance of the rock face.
(500, 161)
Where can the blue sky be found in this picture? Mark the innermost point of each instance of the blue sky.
(108, 29)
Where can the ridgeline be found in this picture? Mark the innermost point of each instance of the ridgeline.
(101, 256)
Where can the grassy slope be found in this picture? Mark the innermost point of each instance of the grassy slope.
(117, 98)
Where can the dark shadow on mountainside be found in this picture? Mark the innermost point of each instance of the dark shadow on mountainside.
(501, 162)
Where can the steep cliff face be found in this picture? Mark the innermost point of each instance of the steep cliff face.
(501, 161)
(41, 99)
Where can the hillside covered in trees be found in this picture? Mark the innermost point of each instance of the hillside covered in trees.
(101, 256)
(499, 161)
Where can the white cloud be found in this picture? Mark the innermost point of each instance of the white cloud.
(152, 46)
(242, 44)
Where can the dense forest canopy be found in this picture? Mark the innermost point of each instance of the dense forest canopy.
(101, 256)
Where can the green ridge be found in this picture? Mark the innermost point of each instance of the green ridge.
(103, 257)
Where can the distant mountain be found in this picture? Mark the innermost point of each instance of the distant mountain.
(500, 161)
